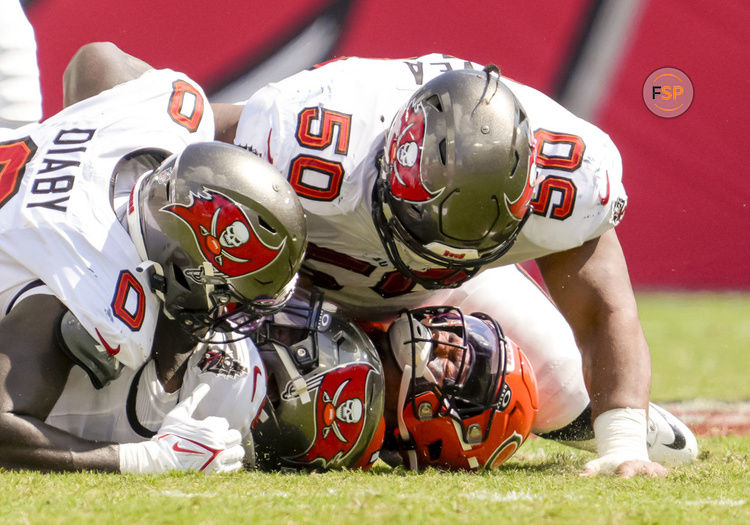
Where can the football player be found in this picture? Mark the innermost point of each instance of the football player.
(425, 180)
(125, 233)
(324, 407)
(460, 395)
(326, 390)
(453, 391)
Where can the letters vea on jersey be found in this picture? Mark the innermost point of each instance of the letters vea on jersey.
(59, 166)
(434, 67)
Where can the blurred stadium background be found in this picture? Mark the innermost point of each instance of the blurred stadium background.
(688, 218)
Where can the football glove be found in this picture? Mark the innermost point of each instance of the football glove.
(184, 443)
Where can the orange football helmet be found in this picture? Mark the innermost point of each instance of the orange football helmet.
(468, 396)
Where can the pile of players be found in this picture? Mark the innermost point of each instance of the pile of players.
(337, 286)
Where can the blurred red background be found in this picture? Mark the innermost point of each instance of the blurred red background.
(688, 217)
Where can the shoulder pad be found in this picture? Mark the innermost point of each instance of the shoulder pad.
(84, 351)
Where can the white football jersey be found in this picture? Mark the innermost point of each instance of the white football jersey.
(57, 226)
(324, 129)
(132, 407)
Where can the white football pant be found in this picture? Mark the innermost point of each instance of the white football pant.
(528, 316)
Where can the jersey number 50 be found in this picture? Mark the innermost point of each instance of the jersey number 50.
(313, 176)
(563, 153)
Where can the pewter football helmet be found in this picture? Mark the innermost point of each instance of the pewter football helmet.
(456, 178)
(325, 391)
(226, 233)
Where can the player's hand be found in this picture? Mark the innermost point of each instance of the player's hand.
(620, 435)
(614, 466)
(184, 443)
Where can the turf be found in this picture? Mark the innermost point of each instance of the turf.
(699, 347)
(540, 484)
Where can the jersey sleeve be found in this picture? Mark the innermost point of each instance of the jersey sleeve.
(160, 109)
(570, 208)
(579, 193)
(257, 122)
(315, 132)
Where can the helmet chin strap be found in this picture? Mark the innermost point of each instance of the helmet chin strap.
(156, 268)
(136, 235)
(208, 272)
(411, 344)
(403, 431)
(300, 385)
(134, 217)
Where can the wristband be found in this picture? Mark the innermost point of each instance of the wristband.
(621, 433)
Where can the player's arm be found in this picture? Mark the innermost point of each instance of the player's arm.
(226, 118)
(96, 67)
(99, 66)
(591, 286)
(33, 372)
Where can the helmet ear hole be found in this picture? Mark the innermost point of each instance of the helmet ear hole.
(515, 164)
(265, 224)
(415, 212)
(435, 449)
(434, 101)
(179, 276)
(441, 149)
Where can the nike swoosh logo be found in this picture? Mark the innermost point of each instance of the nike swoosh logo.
(679, 438)
(604, 199)
(177, 448)
(107, 347)
(268, 146)
(212, 452)
(256, 373)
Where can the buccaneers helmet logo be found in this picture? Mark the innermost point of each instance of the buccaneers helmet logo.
(224, 234)
(405, 156)
(339, 413)
(520, 206)
(221, 364)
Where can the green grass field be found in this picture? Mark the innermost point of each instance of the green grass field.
(699, 347)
